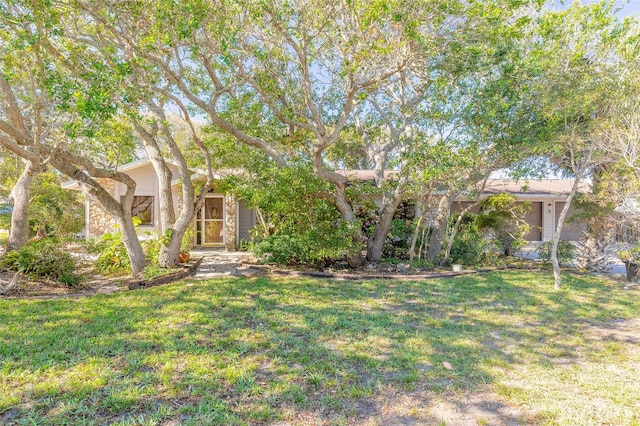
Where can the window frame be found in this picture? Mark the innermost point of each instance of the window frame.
(150, 206)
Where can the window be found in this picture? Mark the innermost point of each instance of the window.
(142, 208)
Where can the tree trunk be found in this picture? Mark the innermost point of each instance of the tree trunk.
(165, 195)
(376, 243)
(556, 236)
(12, 284)
(422, 241)
(132, 244)
(416, 231)
(170, 252)
(439, 228)
(121, 210)
(346, 212)
(454, 231)
(19, 232)
(451, 238)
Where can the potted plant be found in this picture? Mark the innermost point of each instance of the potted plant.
(631, 259)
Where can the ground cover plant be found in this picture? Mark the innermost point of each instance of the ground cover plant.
(258, 351)
(43, 259)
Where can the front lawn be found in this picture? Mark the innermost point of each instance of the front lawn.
(484, 348)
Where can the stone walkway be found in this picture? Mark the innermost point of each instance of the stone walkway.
(218, 263)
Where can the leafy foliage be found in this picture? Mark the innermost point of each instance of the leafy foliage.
(566, 252)
(498, 227)
(470, 245)
(112, 254)
(322, 244)
(300, 224)
(45, 258)
(503, 217)
(53, 211)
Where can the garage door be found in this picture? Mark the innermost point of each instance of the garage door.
(572, 229)
(534, 219)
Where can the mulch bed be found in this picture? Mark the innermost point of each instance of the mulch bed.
(185, 271)
(28, 288)
(52, 289)
(392, 272)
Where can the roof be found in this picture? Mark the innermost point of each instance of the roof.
(73, 184)
(496, 186)
(534, 187)
(364, 174)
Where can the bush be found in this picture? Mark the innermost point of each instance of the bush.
(503, 218)
(566, 252)
(320, 245)
(112, 254)
(152, 245)
(469, 245)
(45, 258)
(398, 241)
(279, 248)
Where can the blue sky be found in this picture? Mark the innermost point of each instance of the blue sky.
(627, 7)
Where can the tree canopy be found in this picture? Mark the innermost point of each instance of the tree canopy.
(441, 92)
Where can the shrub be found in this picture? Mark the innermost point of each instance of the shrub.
(398, 241)
(298, 224)
(504, 219)
(112, 254)
(45, 258)
(565, 254)
(152, 244)
(469, 245)
(321, 244)
(279, 248)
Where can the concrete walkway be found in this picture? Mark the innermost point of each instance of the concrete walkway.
(217, 262)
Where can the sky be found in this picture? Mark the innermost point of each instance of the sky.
(627, 7)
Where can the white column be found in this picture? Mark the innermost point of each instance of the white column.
(548, 219)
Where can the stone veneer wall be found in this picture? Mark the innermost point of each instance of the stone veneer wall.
(101, 221)
(231, 204)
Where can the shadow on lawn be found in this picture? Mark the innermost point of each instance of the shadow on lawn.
(239, 350)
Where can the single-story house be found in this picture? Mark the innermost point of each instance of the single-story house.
(546, 196)
(224, 220)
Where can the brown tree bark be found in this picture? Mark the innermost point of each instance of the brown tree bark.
(177, 227)
(376, 242)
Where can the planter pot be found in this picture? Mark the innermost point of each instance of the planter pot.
(633, 270)
(456, 268)
(184, 257)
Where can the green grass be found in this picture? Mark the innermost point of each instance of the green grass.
(241, 351)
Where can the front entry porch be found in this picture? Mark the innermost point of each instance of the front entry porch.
(210, 223)
(222, 222)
